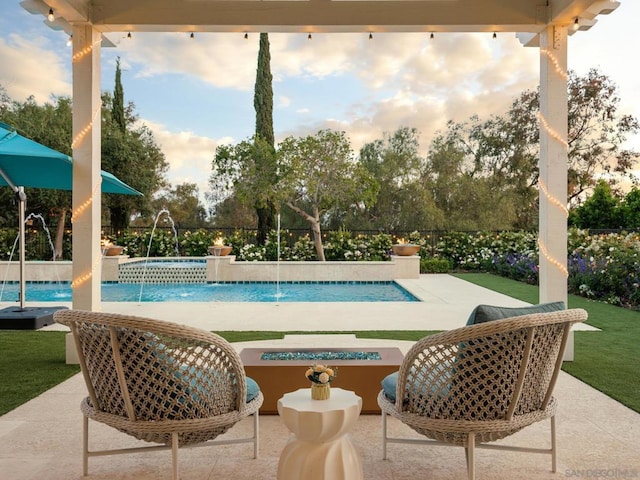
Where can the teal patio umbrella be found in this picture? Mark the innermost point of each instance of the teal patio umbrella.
(25, 163)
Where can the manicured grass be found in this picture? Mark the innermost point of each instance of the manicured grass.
(608, 360)
(30, 363)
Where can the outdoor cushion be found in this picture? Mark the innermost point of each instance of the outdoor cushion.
(253, 389)
(488, 313)
(389, 384)
(437, 381)
(190, 378)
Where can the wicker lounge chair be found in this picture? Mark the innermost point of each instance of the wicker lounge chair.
(480, 383)
(160, 382)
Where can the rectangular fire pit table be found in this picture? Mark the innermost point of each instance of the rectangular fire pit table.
(285, 373)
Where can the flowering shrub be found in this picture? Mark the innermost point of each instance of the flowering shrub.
(341, 245)
(320, 374)
(163, 244)
(196, 244)
(605, 267)
(302, 250)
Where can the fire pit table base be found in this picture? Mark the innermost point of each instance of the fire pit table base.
(276, 377)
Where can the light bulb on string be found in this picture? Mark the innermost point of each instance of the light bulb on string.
(432, 36)
(576, 24)
(309, 37)
(495, 35)
(129, 35)
(246, 35)
(370, 36)
(50, 16)
(192, 35)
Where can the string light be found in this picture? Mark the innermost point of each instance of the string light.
(129, 35)
(370, 36)
(559, 70)
(246, 35)
(309, 37)
(50, 16)
(192, 35)
(552, 133)
(85, 51)
(432, 36)
(70, 41)
(85, 277)
(576, 25)
(553, 200)
(495, 35)
(559, 265)
(83, 133)
(87, 203)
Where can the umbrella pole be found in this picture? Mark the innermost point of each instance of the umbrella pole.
(21, 197)
(22, 203)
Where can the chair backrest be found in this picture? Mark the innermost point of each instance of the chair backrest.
(489, 371)
(148, 369)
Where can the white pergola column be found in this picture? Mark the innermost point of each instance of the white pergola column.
(553, 168)
(86, 168)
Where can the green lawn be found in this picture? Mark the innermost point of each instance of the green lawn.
(608, 360)
(32, 362)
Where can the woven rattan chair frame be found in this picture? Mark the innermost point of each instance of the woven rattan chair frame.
(160, 382)
(481, 383)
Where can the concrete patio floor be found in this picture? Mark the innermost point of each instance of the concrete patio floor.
(597, 436)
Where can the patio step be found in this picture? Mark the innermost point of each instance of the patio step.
(137, 273)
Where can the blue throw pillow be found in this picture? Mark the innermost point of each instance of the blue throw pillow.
(488, 313)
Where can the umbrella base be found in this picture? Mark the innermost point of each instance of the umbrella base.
(28, 318)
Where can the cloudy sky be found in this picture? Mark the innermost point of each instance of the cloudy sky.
(197, 93)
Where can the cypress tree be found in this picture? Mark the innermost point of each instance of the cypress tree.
(117, 105)
(263, 93)
(263, 104)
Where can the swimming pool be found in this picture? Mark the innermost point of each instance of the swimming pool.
(223, 292)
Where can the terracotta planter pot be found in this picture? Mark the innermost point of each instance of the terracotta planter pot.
(219, 251)
(405, 250)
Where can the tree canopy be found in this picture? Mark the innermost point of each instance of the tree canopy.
(130, 152)
(478, 174)
(318, 175)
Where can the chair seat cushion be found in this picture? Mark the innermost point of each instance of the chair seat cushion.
(389, 384)
(488, 313)
(253, 389)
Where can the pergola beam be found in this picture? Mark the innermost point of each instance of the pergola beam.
(321, 16)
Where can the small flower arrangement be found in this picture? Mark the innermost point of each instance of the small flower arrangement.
(320, 374)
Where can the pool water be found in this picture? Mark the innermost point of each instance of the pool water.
(223, 292)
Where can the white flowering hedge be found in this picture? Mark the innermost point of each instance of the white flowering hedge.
(601, 267)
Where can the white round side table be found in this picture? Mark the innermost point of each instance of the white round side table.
(319, 448)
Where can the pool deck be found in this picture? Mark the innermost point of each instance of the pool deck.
(597, 436)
